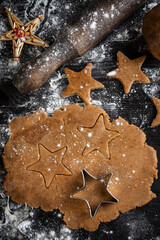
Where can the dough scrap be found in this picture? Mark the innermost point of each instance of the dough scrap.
(129, 71)
(131, 161)
(156, 121)
(150, 30)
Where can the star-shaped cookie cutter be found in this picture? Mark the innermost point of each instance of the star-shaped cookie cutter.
(115, 200)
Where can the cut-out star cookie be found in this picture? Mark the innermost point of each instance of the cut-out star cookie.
(95, 191)
(21, 33)
(129, 71)
(156, 121)
(81, 83)
(50, 164)
(98, 137)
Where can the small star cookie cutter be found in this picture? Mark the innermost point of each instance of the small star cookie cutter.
(93, 213)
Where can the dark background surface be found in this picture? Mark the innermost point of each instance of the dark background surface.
(22, 222)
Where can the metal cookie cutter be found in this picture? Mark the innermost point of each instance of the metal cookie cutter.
(112, 199)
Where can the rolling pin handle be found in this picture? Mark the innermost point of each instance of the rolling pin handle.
(34, 74)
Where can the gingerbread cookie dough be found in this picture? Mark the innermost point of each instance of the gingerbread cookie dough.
(45, 157)
(156, 121)
(150, 30)
(81, 83)
(129, 71)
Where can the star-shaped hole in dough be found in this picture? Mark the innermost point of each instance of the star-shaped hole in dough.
(98, 137)
(156, 121)
(21, 33)
(129, 71)
(81, 83)
(94, 191)
(50, 164)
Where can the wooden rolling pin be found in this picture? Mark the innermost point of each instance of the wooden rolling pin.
(80, 35)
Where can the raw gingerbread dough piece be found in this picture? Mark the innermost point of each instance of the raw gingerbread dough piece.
(131, 161)
(150, 30)
(129, 71)
(156, 121)
(81, 83)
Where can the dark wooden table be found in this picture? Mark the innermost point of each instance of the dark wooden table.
(22, 222)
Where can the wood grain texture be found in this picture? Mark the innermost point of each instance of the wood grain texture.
(88, 28)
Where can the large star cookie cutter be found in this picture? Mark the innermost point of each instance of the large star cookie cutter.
(99, 192)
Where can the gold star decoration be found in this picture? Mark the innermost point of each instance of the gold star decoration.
(98, 137)
(50, 164)
(156, 121)
(129, 71)
(81, 83)
(94, 191)
(21, 34)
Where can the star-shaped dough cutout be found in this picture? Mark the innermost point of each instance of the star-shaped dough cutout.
(81, 83)
(94, 191)
(50, 164)
(98, 137)
(129, 71)
(156, 121)
(21, 33)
